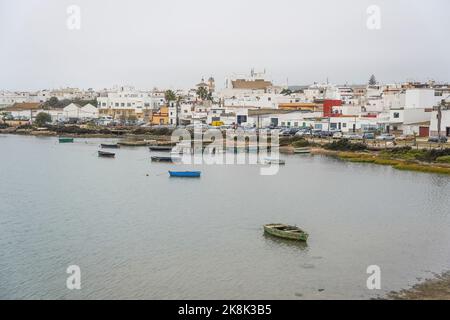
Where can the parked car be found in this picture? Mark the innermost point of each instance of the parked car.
(405, 138)
(386, 137)
(369, 136)
(289, 132)
(353, 136)
(442, 139)
(338, 135)
(303, 133)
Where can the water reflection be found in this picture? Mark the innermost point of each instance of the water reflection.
(273, 241)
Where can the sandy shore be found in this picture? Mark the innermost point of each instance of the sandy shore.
(433, 289)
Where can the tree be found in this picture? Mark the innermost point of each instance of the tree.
(53, 102)
(170, 96)
(372, 80)
(203, 94)
(286, 92)
(42, 119)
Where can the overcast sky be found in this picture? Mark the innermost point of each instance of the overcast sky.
(173, 43)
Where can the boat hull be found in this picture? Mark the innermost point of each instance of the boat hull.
(164, 159)
(66, 140)
(106, 154)
(185, 174)
(302, 151)
(286, 232)
(160, 148)
(110, 146)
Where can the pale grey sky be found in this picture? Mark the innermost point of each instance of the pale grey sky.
(173, 43)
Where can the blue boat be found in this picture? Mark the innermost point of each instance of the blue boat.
(185, 174)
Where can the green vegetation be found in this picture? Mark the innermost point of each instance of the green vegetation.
(54, 103)
(407, 153)
(204, 94)
(169, 95)
(291, 141)
(400, 159)
(302, 143)
(345, 145)
(443, 159)
(42, 119)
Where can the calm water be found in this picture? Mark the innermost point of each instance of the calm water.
(151, 237)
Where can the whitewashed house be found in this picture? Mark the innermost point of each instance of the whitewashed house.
(72, 111)
(89, 112)
(445, 123)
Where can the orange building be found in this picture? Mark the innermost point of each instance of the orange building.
(161, 117)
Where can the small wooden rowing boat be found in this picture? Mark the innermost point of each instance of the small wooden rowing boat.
(160, 148)
(66, 140)
(165, 159)
(110, 146)
(104, 154)
(286, 232)
(185, 174)
(302, 150)
(275, 161)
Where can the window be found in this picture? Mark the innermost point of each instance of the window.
(344, 125)
(396, 115)
(122, 104)
(295, 124)
(117, 104)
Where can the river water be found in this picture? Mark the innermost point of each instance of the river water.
(138, 234)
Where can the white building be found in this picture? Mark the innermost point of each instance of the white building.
(126, 102)
(445, 123)
(89, 112)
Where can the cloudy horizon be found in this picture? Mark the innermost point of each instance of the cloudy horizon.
(174, 43)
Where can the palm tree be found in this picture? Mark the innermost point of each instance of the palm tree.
(169, 95)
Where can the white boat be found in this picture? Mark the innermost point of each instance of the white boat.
(302, 150)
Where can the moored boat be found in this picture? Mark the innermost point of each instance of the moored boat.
(185, 174)
(164, 159)
(65, 140)
(106, 154)
(160, 148)
(302, 150)
(275, 161)
(287, 232)
(110, 146)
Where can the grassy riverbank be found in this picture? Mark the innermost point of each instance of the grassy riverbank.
(403, 158)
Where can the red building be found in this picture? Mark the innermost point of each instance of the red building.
(328, 107)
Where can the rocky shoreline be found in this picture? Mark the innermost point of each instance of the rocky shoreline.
(431, 289)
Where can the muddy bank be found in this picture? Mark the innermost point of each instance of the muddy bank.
(433, 289)
(125, 133)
